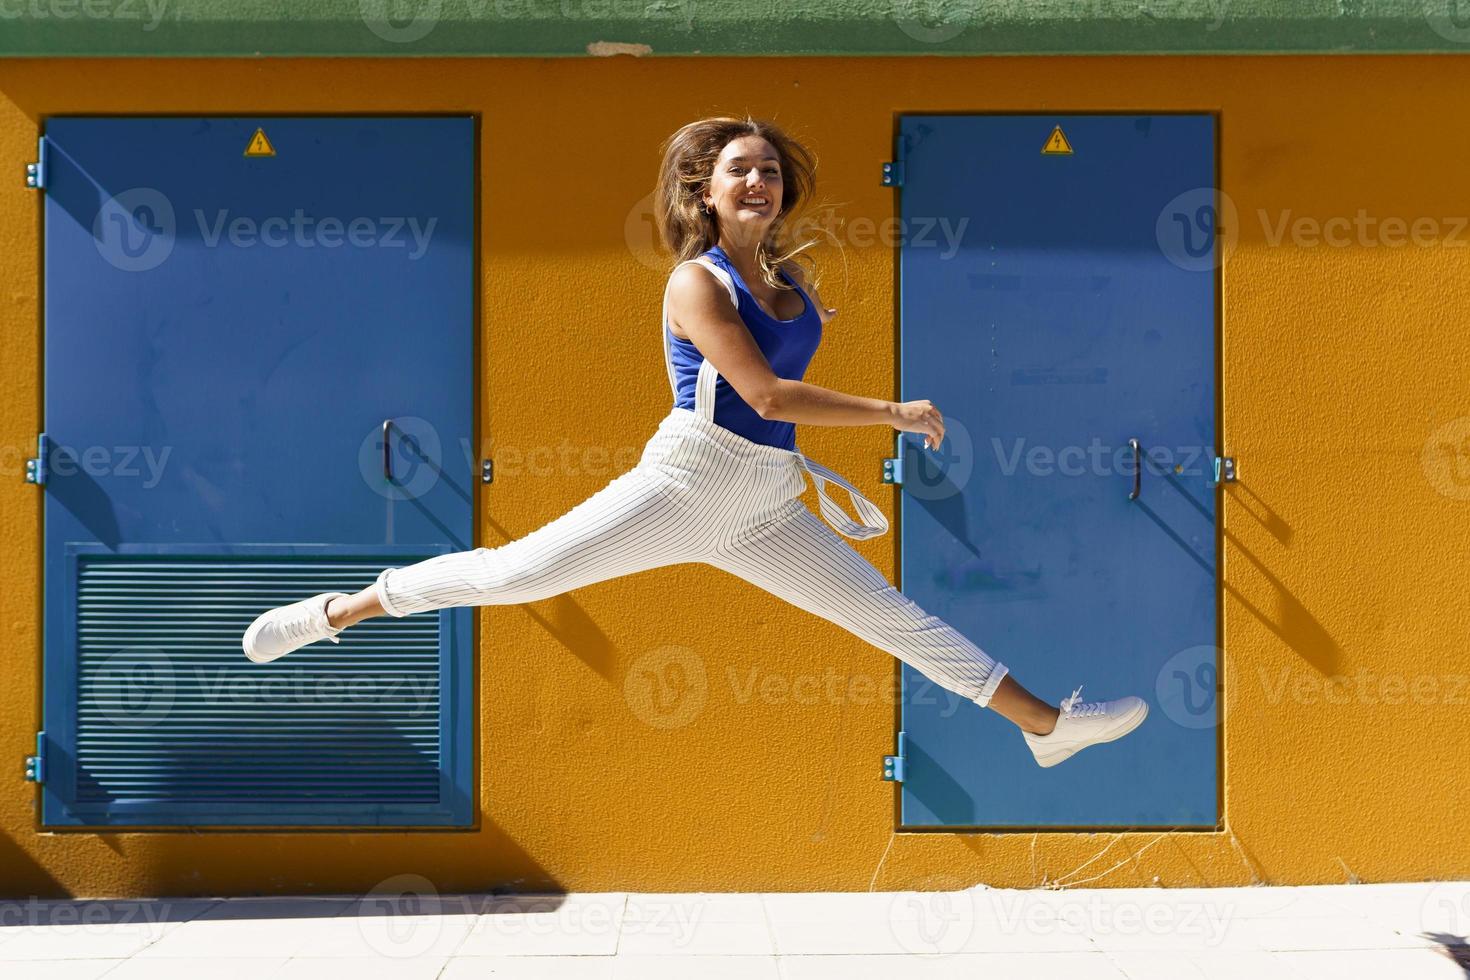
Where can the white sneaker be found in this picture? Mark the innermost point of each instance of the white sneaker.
(1081, 725)
(276, 632)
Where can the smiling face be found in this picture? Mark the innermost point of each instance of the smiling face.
(745, 188)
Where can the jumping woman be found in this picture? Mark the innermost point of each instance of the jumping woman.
(721, 480)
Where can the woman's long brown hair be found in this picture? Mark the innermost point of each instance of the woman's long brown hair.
(686, 171)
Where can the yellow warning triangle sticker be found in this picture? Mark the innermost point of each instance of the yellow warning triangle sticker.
(1057, 142)
(260, 146)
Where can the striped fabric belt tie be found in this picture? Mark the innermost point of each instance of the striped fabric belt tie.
(871, 521)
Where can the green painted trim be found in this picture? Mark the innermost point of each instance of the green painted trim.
(539, 28)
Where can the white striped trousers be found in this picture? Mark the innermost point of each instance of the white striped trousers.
(702, 493)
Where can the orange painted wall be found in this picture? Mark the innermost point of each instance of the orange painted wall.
(1346, 401)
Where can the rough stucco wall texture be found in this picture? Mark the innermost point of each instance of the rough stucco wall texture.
(1345, 368)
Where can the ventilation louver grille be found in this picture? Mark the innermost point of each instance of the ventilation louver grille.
(170, 710)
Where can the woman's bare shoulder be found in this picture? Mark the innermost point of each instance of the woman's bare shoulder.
(692, 287)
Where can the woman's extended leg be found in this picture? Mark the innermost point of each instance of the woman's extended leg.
(805, 562)
(630, 525)
(346, 610)
(633, 523)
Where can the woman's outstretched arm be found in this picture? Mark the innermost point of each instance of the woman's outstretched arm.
(699, 305)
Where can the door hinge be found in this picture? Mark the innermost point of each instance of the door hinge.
(36, 764)
(1224, 470)
(36, 466)
(893, 764)
(893, 465)
(36, 172)
(893, 173)
(487, 470)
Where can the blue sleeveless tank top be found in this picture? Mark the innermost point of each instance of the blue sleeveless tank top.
(787, 344)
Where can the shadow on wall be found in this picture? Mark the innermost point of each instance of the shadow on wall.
(564, 618)
(21, 876)
(449, 873)
(1291, 621)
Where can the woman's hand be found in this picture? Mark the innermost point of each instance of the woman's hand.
(919, 416)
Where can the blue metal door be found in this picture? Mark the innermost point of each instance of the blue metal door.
(238, 313)
(1058, 301)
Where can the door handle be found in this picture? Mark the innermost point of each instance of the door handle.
(1137, 469)
(387, 459)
